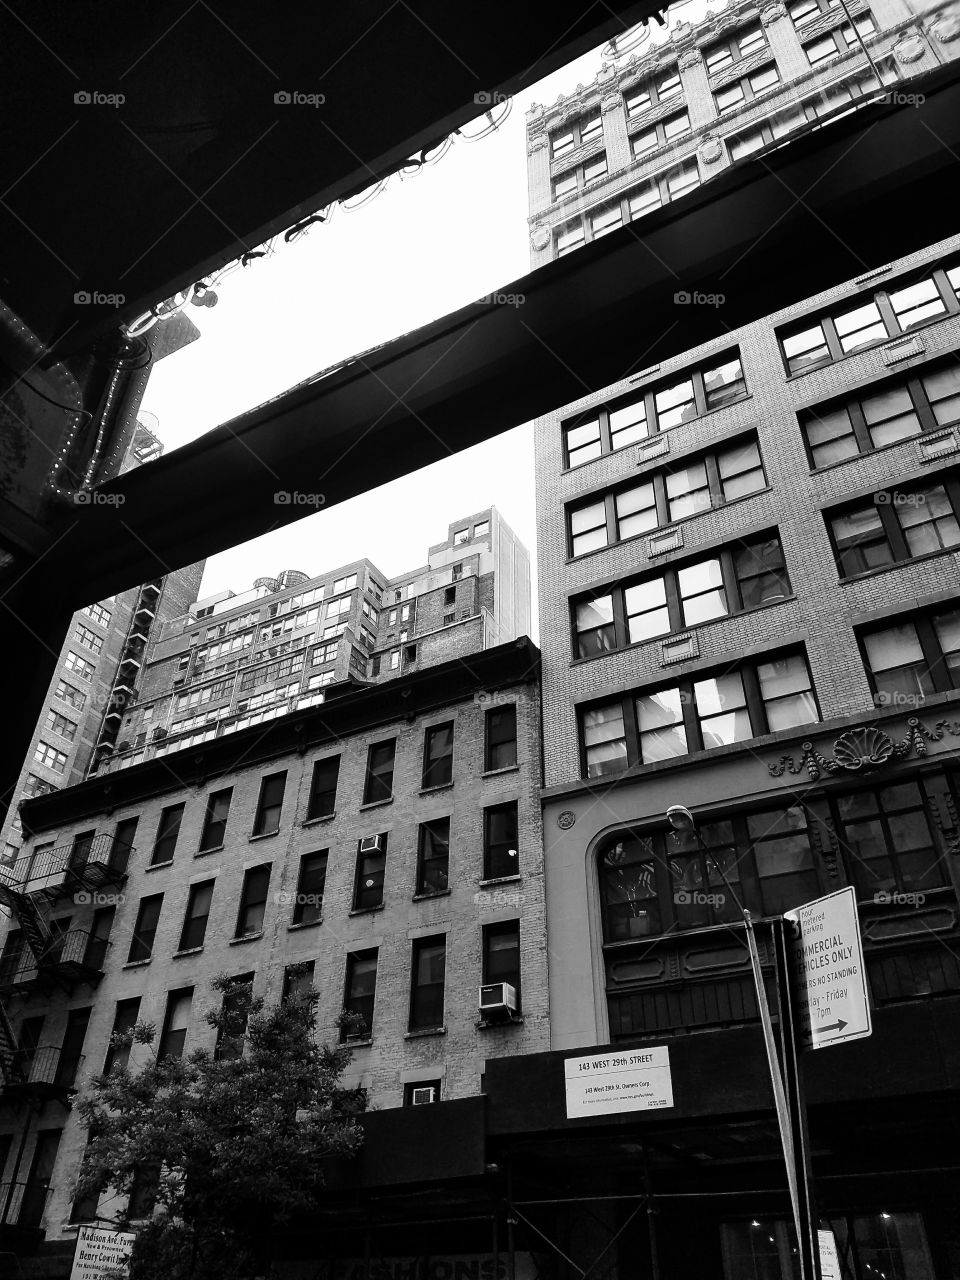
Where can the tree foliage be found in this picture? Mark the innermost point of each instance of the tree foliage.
(235, 1143)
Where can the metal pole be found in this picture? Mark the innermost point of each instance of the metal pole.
(784, 1120)
(651, 1221)
(16, 1170)
(511, 1252)
(808, 1242)
(866, 51)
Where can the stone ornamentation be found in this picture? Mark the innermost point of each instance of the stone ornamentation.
(861, 750)
(946, 26)
(540, 237)
(710, 149)
(689, 58)
(909, 47)
(566, 820)
(771, 13)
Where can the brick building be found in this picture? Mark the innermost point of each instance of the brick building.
(747, 559)
(306, 820)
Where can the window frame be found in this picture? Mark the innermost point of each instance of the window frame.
(215, 828)
(428, 834)
(647, 395)
(311, 872)
(499, 929)
(437, 768)
(168, 833)
(176, 999)
(893, 530)
(932, 651)
(497, 865)
(651, 89)
(731, 585)
(711, 462)
(192, 918)
(826, 317)
(350, 996)
(578, 174)
(579, 228)
(375, 773)
(422, 1015)
(270, 783)
(732, 46)
(142, 939)
(658, 129)
(369, 897)
(492, 745)
(575, 131)
(690, 720)
(252, 878)
(747, 91)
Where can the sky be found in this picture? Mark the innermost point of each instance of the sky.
(424, 247)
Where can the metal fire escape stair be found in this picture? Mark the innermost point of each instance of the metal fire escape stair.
(36, 931)
(10, 1070)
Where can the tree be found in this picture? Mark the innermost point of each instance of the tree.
(229, 1145)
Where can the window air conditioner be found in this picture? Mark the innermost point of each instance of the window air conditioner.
(371, 844)
(423, 1094)
(498, 999)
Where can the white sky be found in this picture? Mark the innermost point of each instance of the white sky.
(426, 246)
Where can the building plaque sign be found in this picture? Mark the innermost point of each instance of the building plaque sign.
(627, 1080)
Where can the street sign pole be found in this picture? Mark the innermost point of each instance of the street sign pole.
(807, 1217)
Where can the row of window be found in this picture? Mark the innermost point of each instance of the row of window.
(657, 408)
(743, 575)
(500, 963)
(500, 752)
(896, 525)
(658, 883)
(705, 481)
(672, 183)
(697, 713)
(718, 57)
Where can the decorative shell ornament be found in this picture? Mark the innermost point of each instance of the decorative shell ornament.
(862, 749)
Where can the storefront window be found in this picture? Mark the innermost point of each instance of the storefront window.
(869, 1246)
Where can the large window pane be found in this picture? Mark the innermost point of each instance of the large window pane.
(594, 626)
(860, 326)
(605, 745)
(660, 717)
(588, 528)
(890, 416)
(646, 610)
(722, 708)
(628, 890)
(702, 594)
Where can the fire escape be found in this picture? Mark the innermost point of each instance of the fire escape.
(124, 690)
(43, 956)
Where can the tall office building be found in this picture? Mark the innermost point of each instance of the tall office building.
(748, 607)
(331, 779)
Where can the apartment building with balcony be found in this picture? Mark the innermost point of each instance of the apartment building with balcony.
(749, 586)
(376, 836)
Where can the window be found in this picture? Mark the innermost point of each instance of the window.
(887, 314)
(500, 841)
(71, 696)
(50, 757)
(123, 838)
(345, 584)
(145, 929)
(420, 1092)
(501, 954)
(804, 11)
(395, 656)
(913, 657)
(168, 828)
(71, 1048)
(500, 751)
(481, 528)
(573, 180)
(324, 653)
(235, 1010)
(298, 981)
(89, 639)
(659, 134)
(360, 992)
(79, 666)
(765, 133)
(323, 788)
(197, 913)
(433, 857)
(744, 575)
(871, 1245)
(838, 41)
(60, 725)
(368, 883)
(746, 89)
(896, 525)
(657, 408)
(888, 841)
(426, 983)
(438, 755)
(215, 820)
(124, 1020)
(175, 1022)
(380, 760)
(253, 901)
(670, 184)
(758, 697)
(652, 93)
(727, 52)
(96, 613)
(311, 882)
(895, 410)
(584, 131)
(270, 804)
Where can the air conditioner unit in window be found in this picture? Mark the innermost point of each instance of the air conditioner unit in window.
(498, 1000)
(423, 1094)
(371, 844)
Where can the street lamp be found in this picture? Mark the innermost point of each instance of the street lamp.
(682, 820)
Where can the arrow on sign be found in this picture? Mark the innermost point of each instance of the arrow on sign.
(833, 1026)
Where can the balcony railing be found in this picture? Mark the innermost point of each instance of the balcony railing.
(45, 1072)
(66, 868)
(76, 955)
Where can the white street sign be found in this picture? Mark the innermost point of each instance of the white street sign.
(101, 1253)
(833, 1003)
(625, 1080)
(829, 1258)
